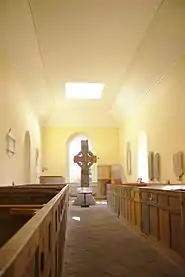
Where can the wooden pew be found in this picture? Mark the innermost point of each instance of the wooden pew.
(156, 210)
(124, 201)
(52, 179)
(29, 194)
(162, 216)
(35, 247)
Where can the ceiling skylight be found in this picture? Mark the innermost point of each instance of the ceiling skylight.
(84, 90)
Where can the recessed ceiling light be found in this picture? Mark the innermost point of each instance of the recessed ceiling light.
(84, 90)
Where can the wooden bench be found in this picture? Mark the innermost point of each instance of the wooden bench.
(32, 234)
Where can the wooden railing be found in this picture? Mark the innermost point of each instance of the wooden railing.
(36, 249)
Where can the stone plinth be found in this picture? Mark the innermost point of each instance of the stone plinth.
(84, 198)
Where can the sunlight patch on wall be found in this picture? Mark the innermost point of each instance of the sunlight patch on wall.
(142, 157)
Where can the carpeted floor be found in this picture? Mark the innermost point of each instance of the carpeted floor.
(99, 245)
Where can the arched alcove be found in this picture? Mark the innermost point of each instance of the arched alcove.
(27, 157)
(142, 156)
(73, 147)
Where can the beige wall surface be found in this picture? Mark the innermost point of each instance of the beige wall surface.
(161, 117)
(17, 114)
(55, 146)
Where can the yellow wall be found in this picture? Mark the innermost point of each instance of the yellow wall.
(55, 146)
(162, 117)
(15, 113)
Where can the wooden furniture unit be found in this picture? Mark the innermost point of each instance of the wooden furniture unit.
(52, 180)
(162, 215)
(157, 211)
(35, 247)
(104, 172)
(104, 177)
(124, 201)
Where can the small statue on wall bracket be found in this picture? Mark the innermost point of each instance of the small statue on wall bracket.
(178, 165)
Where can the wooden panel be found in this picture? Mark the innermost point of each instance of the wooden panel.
(174, 202)
(145, 227)
(163, 200)
(132, 212)
(137, 212)
(38, 241)
(104, 172)
(176, 235)
(52, 179)
(102, 187)
(144, 195)
(116, 173)
(158, 211)
(164, 227)
(154, 226)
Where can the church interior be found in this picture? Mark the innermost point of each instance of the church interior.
(111, 73)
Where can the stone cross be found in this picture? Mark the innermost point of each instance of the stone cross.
(85, 159)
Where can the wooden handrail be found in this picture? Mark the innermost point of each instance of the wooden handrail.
(16, 248)
(37, 206)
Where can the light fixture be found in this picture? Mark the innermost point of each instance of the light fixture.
(84, 90)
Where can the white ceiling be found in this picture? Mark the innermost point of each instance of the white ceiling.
(126, 44)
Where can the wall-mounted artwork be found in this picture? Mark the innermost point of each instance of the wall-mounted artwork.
(151, 166)
(157, 166)
(129, 164)
(10, 144)
(37, 162)
(178, 166)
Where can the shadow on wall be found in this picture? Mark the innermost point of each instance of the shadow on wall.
(123, 176)
(27, 157)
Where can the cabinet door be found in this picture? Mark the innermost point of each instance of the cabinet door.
(176, 234)
(154, 222)
(164, 227)
(145, 218)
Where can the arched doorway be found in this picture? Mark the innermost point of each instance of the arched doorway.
(142, 157)
(27, 157)
(74, 171)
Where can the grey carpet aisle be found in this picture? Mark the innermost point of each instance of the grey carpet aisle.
(99, 245)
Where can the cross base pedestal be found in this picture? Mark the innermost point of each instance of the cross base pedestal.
(84, 198)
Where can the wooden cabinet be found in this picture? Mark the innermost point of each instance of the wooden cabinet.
(52, 180)
(124, 201)
(149, 213)
(104, 172)
(145, 219)
(162, 217)
(157, 212)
